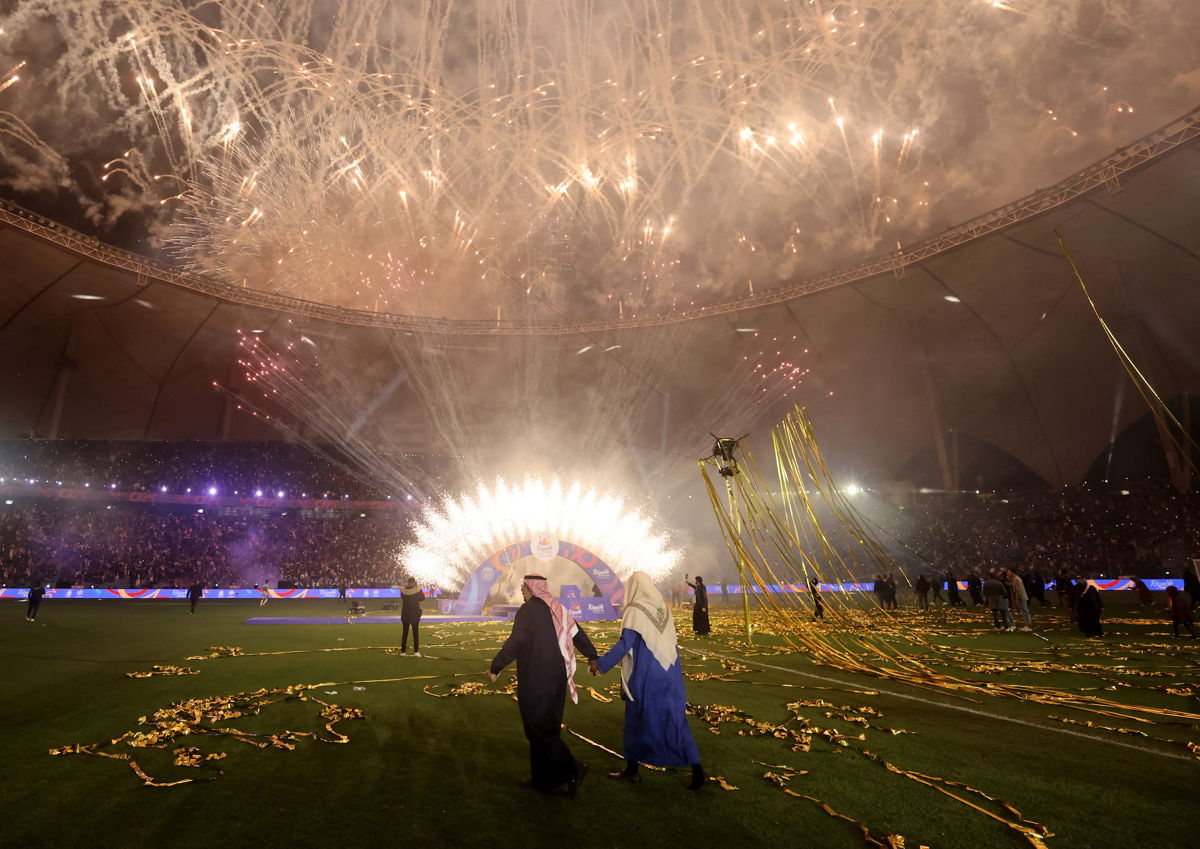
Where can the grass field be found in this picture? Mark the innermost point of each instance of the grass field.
(442, 771)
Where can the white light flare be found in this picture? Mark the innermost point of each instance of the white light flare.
(453, 537)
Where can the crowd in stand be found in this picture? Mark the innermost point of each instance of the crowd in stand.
(80, 545)
(1148, 531)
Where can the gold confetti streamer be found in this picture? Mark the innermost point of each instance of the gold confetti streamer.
(199, 717)
(159, 669)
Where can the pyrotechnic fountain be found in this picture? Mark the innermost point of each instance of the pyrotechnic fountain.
(477, 541)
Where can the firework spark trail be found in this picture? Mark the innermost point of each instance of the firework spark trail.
(421, 155)
(323, 406)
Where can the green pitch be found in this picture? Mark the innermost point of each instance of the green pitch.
(436, 763)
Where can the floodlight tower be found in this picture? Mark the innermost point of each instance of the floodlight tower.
(727, 466)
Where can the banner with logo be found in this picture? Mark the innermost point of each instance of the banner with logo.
(584, 607)
(1106, 584)
(214, 593)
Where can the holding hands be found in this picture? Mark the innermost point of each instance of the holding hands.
(492, 676)
(593, 668)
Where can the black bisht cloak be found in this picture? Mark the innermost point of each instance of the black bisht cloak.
(542, 690)
(700, 624)
(1088, 610)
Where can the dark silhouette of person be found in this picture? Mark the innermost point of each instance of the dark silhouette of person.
(195, 593)
(411, 597)
(700, 625)
(889, 592)
(1181, 613)
(818, 606)
(35, 601)
(975, 588)
(1191, 588)
(1088, 609)
(952, 590)
(543, 642)
(1035, 586)
(921, 588)
(1145, 597)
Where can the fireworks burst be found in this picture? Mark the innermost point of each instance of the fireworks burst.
(453, 537)
(476, 160)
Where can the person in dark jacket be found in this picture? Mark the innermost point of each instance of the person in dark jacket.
(889, 591)
(195, 593)
(952, 590)
(1145, 597)
(921, 588)
(411, 597)
(997, 599)
(975, 588)
(1181, 613)
(35, 601)
(1035, 586)
(543, 642)
(935, 586)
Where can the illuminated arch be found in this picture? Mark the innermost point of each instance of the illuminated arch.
(580, 600)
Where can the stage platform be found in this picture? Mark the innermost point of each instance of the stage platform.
(367, 619)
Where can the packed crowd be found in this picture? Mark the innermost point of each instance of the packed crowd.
(78, 545)
(227, 467)
(1150, 531)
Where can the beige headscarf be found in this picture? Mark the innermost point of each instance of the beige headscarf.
(647, 613)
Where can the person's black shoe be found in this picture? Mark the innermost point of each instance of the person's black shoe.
(698, 781)
(581, 771)
(630, 777)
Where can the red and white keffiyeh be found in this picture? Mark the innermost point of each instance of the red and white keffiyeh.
(564, 627)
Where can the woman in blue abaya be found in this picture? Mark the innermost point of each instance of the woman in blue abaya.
(656, 726)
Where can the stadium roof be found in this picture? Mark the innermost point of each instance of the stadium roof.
(982, 330)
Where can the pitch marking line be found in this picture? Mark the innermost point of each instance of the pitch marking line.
(974, 711)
